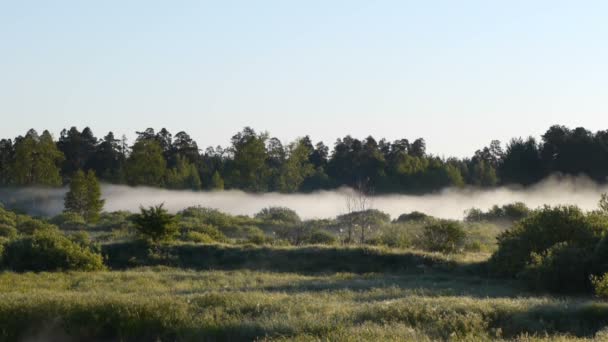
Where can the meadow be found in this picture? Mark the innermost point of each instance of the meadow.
(263, 278)
(437, 299)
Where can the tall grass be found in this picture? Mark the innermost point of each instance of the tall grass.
(170, 304)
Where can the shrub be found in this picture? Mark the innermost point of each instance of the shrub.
(318, 236)
(543, 229)
(29, 225)
(395, 236)
(278, 215)
(49, 250)
(8, 232)
(414, 216)
(444, 236)
(69, 221)
(198, 237)
(509, 212)
(600, 285)
(115, 220)
(156, 223)
(561, 269)
(188, 228)
(8, 218)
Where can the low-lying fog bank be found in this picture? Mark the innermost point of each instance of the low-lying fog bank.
(449, 203)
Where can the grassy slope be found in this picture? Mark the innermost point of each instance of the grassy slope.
(414, 303)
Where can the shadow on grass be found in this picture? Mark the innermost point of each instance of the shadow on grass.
(377, 287)
(310, 260)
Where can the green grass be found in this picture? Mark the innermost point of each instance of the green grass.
(308, 259)
(175, 304)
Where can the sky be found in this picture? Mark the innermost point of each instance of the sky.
(458, 73)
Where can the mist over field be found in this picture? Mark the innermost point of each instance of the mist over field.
(449, 203)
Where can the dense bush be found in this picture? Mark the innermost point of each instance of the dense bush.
(414, 216)
(116, 220)
(600, 285)
(561, 269)
(509, 213)
(49, 250)
(29, 225)
(278, 215)
(69, 221)
(444, 236)
(190, 229)
(198, 237)
(542, 230)
(156, 224)
(395, 236)
(8, 232)
(321, 237)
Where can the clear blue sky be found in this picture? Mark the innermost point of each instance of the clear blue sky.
(458, 73)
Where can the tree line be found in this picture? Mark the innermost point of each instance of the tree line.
(257, 162)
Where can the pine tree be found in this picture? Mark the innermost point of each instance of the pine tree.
(94, 203)
(217, 183)
(77, 197)
(84, 196)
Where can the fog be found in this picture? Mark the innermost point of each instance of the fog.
(449, 203)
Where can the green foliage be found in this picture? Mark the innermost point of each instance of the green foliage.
(603, 203)
(69, 221)
(28, 225)
(321, 237)
(84, 196)
(395, 236)
(156, 224)
(560, 269)
(8, 232)
(183, 176)
(146, 164)
(36, 161)
(363, 223)
(444, 236)
(248, 169)
(600, 285)
(296, 168)
(189, 225)
(278, 215)
(543, 229)
(414, 216)
(508, 213)
(49, 250)
(198, 237)
(8, 223)
(217, 182)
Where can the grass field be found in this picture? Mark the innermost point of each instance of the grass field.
(423, 303)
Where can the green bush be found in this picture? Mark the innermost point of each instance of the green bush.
(444, 236)
(49, 250)
(414, 216)
(156, 224)
(121, 220)
(600, 285)
(198, 237)
(69, 221)
(7, 231)
(509, 212)
(561, 269)
(278, 215)
(395, 236)
(321, 237)
(212, 232)
(29, 225)
(543, 229)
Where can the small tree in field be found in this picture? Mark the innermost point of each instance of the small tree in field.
(84, 196)
(156, 223)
